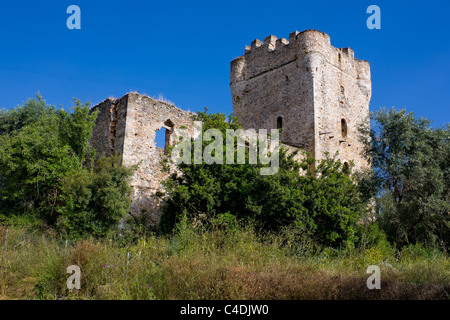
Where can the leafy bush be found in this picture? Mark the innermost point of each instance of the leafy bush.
(95, 201)
(47, 172)
(322, 202)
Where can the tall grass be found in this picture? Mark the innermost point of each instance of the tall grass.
(215, 264)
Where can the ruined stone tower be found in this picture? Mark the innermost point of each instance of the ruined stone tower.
(315, 92)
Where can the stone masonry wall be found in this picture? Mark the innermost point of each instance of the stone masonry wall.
(311, 85)
(109, 130)
(273, 79)
(144, 117)
(342, 91)
(128, 127)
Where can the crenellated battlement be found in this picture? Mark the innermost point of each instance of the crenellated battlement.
(349, 52)
(261, 57)
(272, 43)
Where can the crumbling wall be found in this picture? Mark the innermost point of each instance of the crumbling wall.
(127, 127)
(306, 82)
(144, 117)
(109, 130)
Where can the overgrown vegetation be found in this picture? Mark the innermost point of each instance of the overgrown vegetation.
(217, 263)
(410, 178)
(322, 203)
(48, 176)
(226, 232)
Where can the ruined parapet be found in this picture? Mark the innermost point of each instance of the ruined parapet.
(305, 86)
(127, 127)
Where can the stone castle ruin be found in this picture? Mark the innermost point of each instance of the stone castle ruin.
(315, 93)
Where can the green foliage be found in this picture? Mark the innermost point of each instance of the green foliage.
(323, 203)
(44, 176)
(334, 203)
(76, 129)
(411, 177)
(33, 110)
(373, 241)
(95, 201)
(211, 264)
(32, 162)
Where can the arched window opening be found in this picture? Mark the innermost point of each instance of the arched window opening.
(280, 122)
(346, 168)
(344, 130)
(163, 136)
(160, 138)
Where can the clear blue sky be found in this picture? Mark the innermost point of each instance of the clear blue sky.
(183, 49)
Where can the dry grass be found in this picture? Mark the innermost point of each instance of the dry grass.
(213, 265)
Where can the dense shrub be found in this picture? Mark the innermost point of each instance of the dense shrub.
(47, 172)
(322, 201)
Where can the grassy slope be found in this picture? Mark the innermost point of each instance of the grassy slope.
(214, 265)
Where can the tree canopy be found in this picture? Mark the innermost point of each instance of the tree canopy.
(47, 170)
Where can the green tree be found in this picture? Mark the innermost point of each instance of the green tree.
(322, 202)
(75, 130)
(33, 110)
(32, 163)
(95, 201)
(43, 171)
(410, 177)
